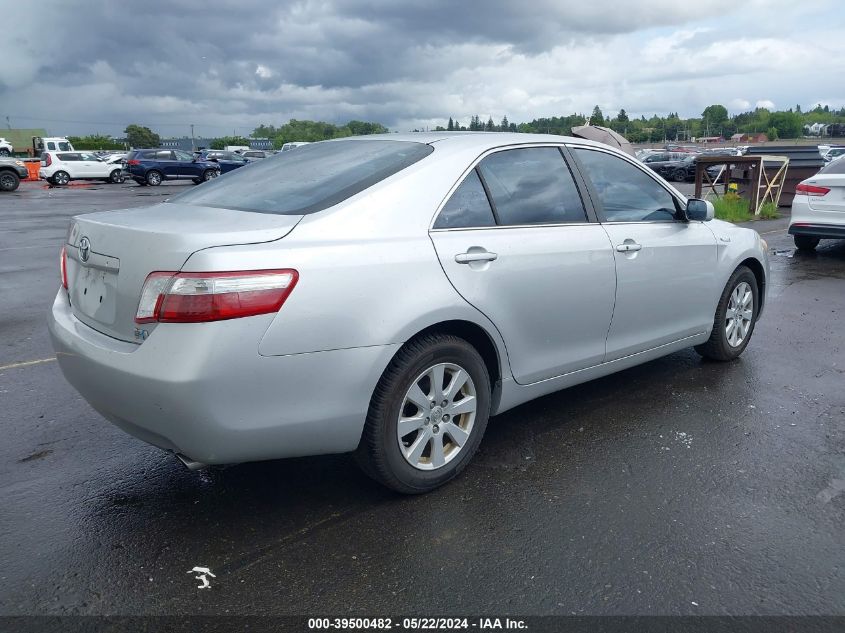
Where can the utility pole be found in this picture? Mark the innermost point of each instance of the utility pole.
(193, 145)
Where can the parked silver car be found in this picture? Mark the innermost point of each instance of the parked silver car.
(386, 295)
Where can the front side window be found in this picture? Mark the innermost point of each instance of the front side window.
(314, 177)
(532, 186)
(626, 193)
(467, 207)
(164, 155)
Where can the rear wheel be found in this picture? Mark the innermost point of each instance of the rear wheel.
(154, 178)
(805, 242)
(427, 415)
(196, 181)
(9, 180)
(209, 174)
(735, 317)
(61, 178)
(680, 175)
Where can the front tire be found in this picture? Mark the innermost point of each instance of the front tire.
(5, 152)
(805, 242)
(116, 176)
(735, 318)
(209, 174)
(154, 178)
(427, 415)
(680, 175)
(9, 181)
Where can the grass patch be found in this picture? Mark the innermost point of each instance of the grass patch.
(733, 208)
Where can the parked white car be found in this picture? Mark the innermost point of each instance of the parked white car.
(6, 148)
(818, 208)
(59, 168)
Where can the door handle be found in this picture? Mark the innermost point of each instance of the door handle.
(628, 247)
(477, 256)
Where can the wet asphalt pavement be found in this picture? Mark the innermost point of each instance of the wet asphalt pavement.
(678, 487)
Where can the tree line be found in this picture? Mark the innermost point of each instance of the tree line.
(714, 121)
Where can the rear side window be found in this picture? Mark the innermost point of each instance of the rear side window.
(532, 186)
(164, 155)
(626, 193)
(314, 177)
(148, 155)
(467, 207)
(68, 158)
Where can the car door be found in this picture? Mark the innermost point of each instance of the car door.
(516, 241)
(71, 162)
(91, 166)
(665, 266)
(186, 167)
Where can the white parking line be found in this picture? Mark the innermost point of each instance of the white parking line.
(27, 363)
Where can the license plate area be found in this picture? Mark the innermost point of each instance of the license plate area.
(94, 290)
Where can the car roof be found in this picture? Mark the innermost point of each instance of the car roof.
(471, 140)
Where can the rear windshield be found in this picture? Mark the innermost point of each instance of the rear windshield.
(834, 167)
(314, 177)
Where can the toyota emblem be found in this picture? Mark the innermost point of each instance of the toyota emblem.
(84, 249)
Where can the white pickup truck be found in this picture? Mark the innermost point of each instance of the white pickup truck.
(6, 148)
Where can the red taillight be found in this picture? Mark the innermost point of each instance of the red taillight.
(199, 297)
(48, 160)
(63, 266)
(811, 190)
(133, 161)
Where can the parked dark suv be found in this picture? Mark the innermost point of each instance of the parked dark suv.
(152, 166)
(227, 160)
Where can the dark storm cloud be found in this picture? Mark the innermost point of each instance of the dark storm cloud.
(235, 62)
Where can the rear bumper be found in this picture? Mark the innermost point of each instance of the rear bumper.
(204, 393)
(823, 231)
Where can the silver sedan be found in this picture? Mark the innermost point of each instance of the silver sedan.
(386, 295)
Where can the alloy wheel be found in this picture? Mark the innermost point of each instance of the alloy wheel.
(7, 182)
(437, 416)
(739, 313)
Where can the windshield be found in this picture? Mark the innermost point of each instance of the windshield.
(314, 177)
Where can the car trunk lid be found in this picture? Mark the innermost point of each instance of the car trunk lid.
(111, 253)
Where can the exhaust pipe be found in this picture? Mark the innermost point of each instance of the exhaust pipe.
(191, 464)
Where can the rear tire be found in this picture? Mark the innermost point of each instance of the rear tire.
(9, 180)
(731, 329)
(154, 178)
(449, 432)
(61, 178)
(805, 242)
(209, 174)
(680, 175)
(196, 181)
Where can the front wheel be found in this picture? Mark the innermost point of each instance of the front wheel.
(9, 180)
(5, 152)
(805, 242)
(680, 175)
(735, 317)
(209, 174)
(116, 176)
(427, 415)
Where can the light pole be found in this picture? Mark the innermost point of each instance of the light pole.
(193, 145)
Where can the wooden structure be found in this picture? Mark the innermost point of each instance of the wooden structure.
(765, 182)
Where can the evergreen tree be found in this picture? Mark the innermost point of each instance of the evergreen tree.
(451, 125)
(622, 117)
(490, 125)
(505, 126)
(597, 118)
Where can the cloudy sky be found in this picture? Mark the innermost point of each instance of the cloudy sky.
(81, 66)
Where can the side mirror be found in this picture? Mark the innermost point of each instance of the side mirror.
(700, 210)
